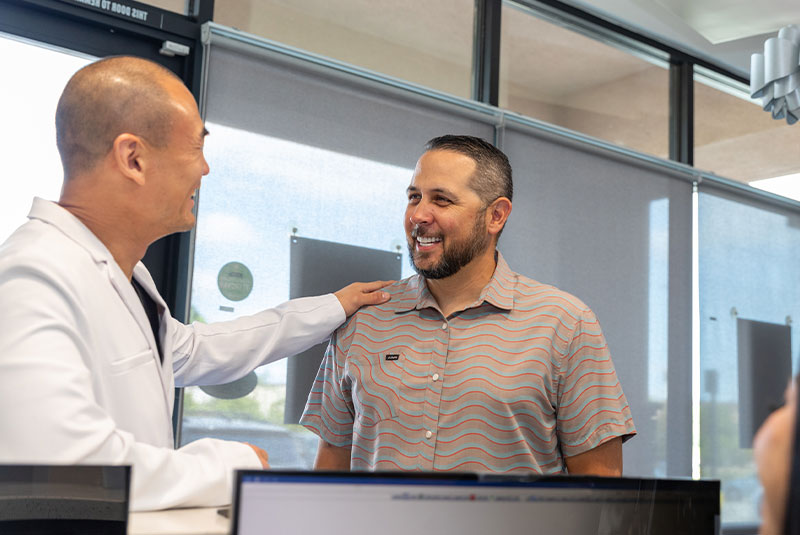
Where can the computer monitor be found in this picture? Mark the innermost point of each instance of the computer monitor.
(394, 503)
(62, 499)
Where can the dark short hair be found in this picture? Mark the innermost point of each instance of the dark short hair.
(107, 98)
(492, 178)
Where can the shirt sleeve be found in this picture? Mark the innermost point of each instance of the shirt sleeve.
(329, 411)
(592, 408)
(225, 351)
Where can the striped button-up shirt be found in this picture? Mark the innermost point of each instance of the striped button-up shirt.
(514, 383)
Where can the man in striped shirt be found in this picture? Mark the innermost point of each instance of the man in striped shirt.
(469, 366)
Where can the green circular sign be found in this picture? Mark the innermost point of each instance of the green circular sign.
(235, 281)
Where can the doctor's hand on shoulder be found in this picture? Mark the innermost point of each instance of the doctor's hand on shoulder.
(263, 456)
(356, 295)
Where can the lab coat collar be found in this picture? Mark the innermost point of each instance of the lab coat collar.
(53, 214)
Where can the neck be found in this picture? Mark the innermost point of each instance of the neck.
(458, 291)
(108, 221)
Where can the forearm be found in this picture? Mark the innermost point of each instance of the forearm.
(225, 351)
(330, 457)
(604, 460)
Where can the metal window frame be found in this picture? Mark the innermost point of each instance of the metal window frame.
(486, 52)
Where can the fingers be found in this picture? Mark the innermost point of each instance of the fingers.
(358, 294)
(372, 286)
(374, 298)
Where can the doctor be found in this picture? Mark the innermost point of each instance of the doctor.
(89, 354)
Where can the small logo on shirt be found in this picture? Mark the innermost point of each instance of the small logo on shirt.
(391, 356)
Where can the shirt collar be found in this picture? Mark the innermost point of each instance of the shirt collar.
(498, 292)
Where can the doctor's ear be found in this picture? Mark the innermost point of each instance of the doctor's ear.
(128, 153)
(497, 214)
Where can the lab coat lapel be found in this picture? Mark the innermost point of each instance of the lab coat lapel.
(53, 214)
(141, 274)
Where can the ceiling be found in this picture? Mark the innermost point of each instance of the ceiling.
(726, 32)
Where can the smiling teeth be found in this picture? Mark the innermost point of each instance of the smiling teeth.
(428, 241)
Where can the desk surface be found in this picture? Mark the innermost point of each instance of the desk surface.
(200, 521)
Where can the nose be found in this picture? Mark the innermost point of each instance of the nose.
(420, 214)
(206, 168)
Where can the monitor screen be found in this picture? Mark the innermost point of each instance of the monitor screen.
(64, 499)
(361, 503)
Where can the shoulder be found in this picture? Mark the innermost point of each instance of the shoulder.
(402, 296)
(39, 251)
(533, 297)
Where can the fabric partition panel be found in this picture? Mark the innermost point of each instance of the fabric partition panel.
(270, 94)
(617, 235)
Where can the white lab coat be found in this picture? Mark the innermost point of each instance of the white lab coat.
(80, 376)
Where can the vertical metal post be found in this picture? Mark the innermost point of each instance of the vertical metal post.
(681, 111)
(486, 52)
(200, 10)
(683, 459)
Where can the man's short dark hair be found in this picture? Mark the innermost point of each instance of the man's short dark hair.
(492, 178)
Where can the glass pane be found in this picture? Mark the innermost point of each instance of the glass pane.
(29, 159)
(562, 77)
(735, 138)
(260, 189)
(748, 258)
(429, 43)
(177, 6)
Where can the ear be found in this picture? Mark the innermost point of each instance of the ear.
(497, 214)
(128, 154)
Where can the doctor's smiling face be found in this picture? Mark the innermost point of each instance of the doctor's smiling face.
(445, 220)
(178, 167)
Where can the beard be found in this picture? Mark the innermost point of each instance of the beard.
(454, 256)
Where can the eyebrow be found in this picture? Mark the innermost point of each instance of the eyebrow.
(443, 191)
(204, 133)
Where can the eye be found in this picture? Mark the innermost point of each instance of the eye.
(414, 197)
(442, 201)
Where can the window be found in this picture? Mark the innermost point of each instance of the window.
(428, 43)
(28, 156)
(561, 77)
(249, 209)
(748, 256)
(618, 236)
(293, 146)
(734, 138)
(176, 6)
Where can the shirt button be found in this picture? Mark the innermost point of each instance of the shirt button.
(444, 325)
(435, 377)
(428, 434)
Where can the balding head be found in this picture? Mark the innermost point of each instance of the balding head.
(105, 99)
